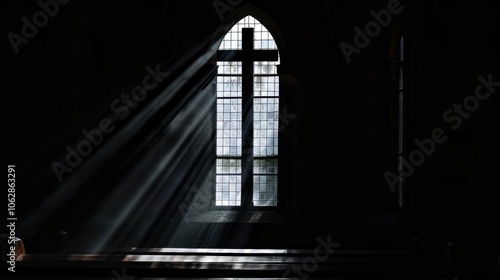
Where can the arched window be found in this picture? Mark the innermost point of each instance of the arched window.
(247, 117)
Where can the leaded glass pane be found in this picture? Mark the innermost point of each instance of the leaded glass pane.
(266, 122)
(265, 166)
(229, 67)
(265, 190)
(265, 86)
(229, 127)
(228, 190)
(229, 86)
(263, 40)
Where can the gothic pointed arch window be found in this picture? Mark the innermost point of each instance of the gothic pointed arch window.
(247, 120)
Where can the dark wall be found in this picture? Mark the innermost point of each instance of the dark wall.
(92, 51)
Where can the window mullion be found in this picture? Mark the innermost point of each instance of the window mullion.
(247, 118)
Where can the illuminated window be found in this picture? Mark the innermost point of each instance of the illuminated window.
(247, 117)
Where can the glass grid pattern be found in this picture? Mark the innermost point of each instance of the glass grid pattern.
(229, 86)
(229, 121)
(229, 67)
(265, 166)
(266, 122)
(229, 125)
(228, 166)
(228, 190)
(265, 182)
(263, 40)
(266, 67)
(265, 191)
(265, 86)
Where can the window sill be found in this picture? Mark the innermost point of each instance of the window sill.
(236, 216)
